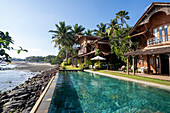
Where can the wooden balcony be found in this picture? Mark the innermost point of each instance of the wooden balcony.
(158, 40)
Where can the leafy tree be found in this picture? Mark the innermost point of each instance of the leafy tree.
(63, 37)
(97, 52)
(5, 41)
(119, 37)
(120, 42)
(35, 59)
(101, 30)
(49, 58)
(61, 55)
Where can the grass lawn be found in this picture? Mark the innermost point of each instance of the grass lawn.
(135, 77)
(71, 68)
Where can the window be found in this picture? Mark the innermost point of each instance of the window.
(162, 37)
(94, 48)
(156, 40)
(155, 32)
(166, 32)
(83, 49)
(148, 42)
(160, 34)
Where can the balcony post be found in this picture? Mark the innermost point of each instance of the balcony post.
(133, 59)
(76, 62)
(128, 65)
(72, 61)
(169, 63)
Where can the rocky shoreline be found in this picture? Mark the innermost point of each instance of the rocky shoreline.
(23, 97)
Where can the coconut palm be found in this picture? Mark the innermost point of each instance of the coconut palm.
(101, 30)
(112, 26)
(89, 33)
(123, 16)
(78, 30)
(63, 37)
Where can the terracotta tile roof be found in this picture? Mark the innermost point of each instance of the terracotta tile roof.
(149, 51)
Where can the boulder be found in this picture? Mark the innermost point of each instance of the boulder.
(23, 97)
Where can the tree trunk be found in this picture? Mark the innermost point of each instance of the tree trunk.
(66, 54)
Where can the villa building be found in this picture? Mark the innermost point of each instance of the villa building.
(88, 44)
(152, 31)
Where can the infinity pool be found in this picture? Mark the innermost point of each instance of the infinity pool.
(91, 93)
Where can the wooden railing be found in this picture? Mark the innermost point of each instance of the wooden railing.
(158, 40)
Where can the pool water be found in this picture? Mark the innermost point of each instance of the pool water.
(91, 93)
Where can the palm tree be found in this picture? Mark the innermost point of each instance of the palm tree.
(89, 33)
(123, 16)
(101, 30)
(78, 30)
(63, 37)
(112, 26)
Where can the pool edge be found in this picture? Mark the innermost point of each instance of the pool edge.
(43, 103)
(133, 80)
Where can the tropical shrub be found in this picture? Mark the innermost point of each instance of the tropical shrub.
(88, 62)
(63, 64)
(68, 62)
(82, 66)
(63, 67)
(98, 65)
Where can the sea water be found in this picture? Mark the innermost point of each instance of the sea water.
(11, 78)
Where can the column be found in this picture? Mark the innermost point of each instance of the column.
(133, 60)
(148, 62)
(169, 64)
(72, 61)
(85, 58)
(76, 61)
(128, 65)
(155, 64)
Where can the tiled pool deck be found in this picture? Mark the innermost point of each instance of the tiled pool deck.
(45, 103)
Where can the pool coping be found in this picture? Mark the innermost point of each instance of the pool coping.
(133, 80)
(43, 103)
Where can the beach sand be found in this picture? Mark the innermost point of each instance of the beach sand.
(33, 67)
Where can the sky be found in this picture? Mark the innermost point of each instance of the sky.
(29, 21)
